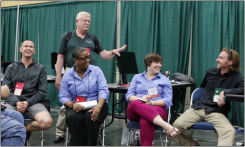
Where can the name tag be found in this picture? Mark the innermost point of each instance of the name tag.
(217, 92)
(88, 50)
(19, 88)
(80, 99)
(152, 92)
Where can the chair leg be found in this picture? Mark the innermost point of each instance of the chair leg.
(102, 134)
(41, 136)
(28, 143)
(128, 137)
(134, 136)
(137, 137)
(67, 137)
(161, 139)
(103, 144)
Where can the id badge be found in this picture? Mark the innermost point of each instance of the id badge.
(152, 92)
(217, 92)
(19, 88)
(80, 99)
(88, 50)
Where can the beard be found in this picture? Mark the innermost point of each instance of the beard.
(219, 66)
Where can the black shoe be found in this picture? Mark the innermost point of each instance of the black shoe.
(58, 139)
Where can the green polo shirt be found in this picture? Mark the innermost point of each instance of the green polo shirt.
(75, 41)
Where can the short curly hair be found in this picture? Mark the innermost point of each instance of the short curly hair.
(152, 57)
(77, 52)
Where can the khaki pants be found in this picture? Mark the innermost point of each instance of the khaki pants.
(61, 121)
(221, 124)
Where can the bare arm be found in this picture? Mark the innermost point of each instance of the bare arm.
(106, 55)
(59, 65)
(132, 98)
(5, 91)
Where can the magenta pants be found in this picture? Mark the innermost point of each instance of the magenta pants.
(139, 111)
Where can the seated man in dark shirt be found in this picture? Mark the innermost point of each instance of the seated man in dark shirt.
(27, 81)
(227, 77)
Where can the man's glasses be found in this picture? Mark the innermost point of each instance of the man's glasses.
(229, 50)
(84, 58)
(86, 20)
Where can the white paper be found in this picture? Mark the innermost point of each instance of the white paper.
(216, 97)
(88, 104)
(17, 92)
(63, 70)
(152, 92)
(141, 100)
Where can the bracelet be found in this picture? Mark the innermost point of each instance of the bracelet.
(152, 103)
(112, 52)
(99, 106)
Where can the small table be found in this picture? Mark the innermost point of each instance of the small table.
(51, 80)
(234, 97)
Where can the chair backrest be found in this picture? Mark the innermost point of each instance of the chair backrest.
(196, 95)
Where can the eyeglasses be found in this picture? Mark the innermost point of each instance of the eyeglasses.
(229, 50)
(86, 20)
(84, 58)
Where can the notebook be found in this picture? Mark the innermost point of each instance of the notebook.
(88, 104)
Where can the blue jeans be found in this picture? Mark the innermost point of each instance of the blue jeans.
(13, 131)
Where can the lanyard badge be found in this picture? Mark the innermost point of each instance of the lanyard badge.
(152, 92)
(88, 50)
(19, 88)
(217, 92)
(80, 99)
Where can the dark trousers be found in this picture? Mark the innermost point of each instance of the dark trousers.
(83, 130)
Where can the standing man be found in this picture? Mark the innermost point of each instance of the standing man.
(227, 78)
(27, 81)
(79, 37)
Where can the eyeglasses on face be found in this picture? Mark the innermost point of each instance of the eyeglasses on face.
(84, 20)
(229, 50)
(84, 58)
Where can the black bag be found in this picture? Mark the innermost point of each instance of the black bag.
(182, 78)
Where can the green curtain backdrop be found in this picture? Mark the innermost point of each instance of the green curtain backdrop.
(8, 30)
(217, 25)
(44, 24)
(162, 27)
(146, 26)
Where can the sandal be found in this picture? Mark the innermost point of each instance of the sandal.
(173, 130)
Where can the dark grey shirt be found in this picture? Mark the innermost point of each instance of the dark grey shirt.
(35, 79)
(232, 82)
(75, 41)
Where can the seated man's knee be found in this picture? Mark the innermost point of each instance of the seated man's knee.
(230, 130)
(44, 120)
(47, 123)
(177, 123)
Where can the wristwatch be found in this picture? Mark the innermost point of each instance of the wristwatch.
(71, 104)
